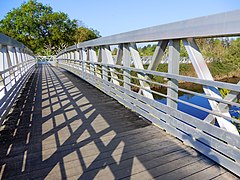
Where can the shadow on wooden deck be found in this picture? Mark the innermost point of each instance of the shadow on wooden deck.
(62, 127)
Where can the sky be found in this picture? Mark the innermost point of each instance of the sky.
(116, 16)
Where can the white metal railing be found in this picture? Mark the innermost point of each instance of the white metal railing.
(146, 60)
(217, 135)
(16, 65)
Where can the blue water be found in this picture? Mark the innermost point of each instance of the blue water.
(43, 62)
(200, 101)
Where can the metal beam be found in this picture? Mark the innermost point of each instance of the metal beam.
(223, 24)
(158, 54)
(138, 64)
(119, 55)
(108, 59)
(232, 96)
(92, 58)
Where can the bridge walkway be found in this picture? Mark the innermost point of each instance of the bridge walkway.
(62, 127)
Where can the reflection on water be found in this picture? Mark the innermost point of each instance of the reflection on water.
(200, 101)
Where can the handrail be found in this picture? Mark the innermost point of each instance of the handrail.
(6, 70)
(223, 24)
(224, 85)
(6, 40)
(217, 135)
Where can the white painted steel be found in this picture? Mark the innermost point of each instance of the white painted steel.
(173, 68)
(17, 63)
(158, 54)
(203, 72)
(119, 80)
(199, 134)
(138, 64)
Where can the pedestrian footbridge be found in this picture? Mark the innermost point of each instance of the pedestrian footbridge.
(88, 115)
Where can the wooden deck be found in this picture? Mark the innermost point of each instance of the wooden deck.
(62, 127)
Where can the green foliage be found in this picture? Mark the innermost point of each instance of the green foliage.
(114, 52)
(213, 47)
(233, 53)
(38, 27)
(42, 30)
(84, 34)
(224, 92)
(219, 69)
(147, 50)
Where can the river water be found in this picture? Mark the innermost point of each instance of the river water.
(200, 101)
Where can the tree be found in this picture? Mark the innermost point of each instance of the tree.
(84, 34)
(233, 53)
(37, 26)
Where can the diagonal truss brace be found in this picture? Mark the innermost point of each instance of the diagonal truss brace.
(203, 72)
(108, 59)
(158, 54)
(232, 96)
(119, 55)
(92, 58)
(138, 64)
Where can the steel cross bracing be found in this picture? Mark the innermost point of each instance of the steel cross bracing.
(16, 65)
(124, 78)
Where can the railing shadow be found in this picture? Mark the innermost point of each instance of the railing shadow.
(19, 128)
(66, 128)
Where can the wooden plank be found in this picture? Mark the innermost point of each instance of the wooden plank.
(187, 170)
(166, 167)
(211, 153)
(208, 173)
(163, 156)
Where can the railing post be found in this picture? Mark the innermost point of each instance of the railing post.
(12, 62)
(104, 60)
(92, 59)
(173, 68)
(16, 53)
(84, 58)
(126, 63)
(81, 61)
